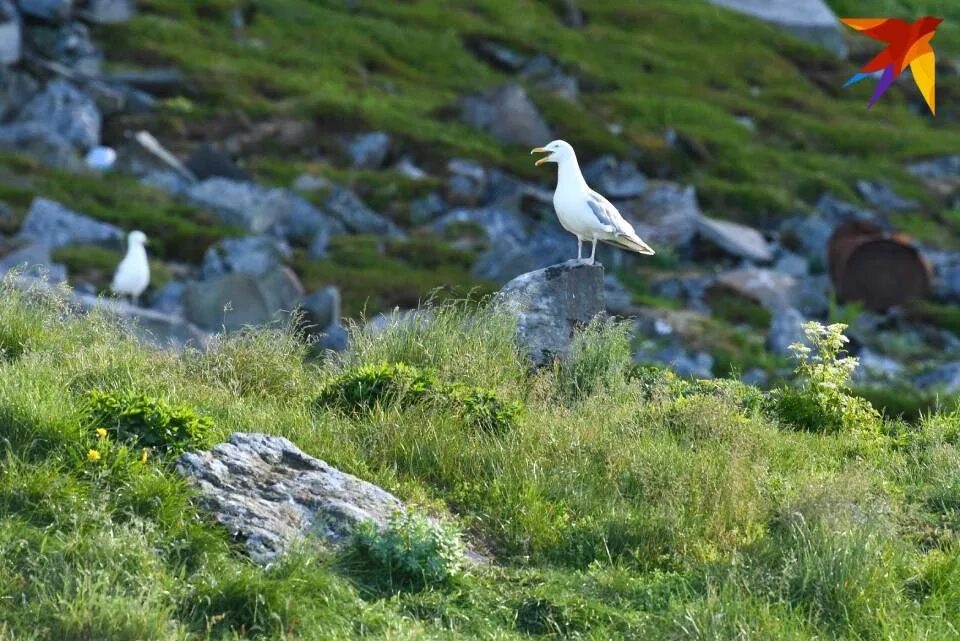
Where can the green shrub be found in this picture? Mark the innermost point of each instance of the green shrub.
(411, 553)
(370, 386)
(147, 421)
(484, 410)
(823, 400)
(662, 384)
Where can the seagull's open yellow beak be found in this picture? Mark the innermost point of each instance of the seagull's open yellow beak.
(539, 150)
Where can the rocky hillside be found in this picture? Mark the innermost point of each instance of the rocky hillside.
(351, 157)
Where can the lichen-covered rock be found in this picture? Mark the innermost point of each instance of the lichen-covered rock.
(270, 494)
(51, 224)
(550, 304)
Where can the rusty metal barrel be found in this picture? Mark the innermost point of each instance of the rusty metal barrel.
(876, 268)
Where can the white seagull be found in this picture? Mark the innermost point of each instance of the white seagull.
(133, 272)
(582, 211)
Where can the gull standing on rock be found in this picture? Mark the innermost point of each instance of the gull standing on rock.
(133, 272)
(582, 211)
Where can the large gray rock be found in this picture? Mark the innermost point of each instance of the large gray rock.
(735, 239)
(38, 141)
(70, 45)
(615, 179)
(811, 20)
(508, 257)
(16, 88)
(63, 108)
(665, 215)
(508, 115)
(544, 72)
(236, 300)
(34, 261)
(943, 378)
(772, 289)
(10, 34)
(262, 210)
(347, 207)
(322, 308)
(498, 223)
(50, 224)
(110, 11)
(270, 494)
(786, 328)
(255, 255)
(551, 304)
(53, 10)
(369, 151)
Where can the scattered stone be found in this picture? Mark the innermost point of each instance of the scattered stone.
(369, 151)
(150, 326)
(811, 20)
(837, 211)
(10, 35)
(100, 158)
(169, 298)
(34, 261)
(498, 223)
(467, 184)
(617, 180)
(347, 207)
(665, 215)
(236, 300)
(262, 210)
(322, 309)
(52, 10)
(618, 298)
(546, 74)
(206, 162)
(944, 378)
(508, 257)
(270, 494)
(498, 55)
(508, 115)
(255, 255)
(809, 235)
(70, 46)
(110, 11)
(941, 175)
(793, 264)
(51, 224)
(308, 183)
(38, 141)
(786, 328)
(64, 109)
(699, 365)
(572, 15)
(882, 196)
(407, 168)
(334, 338)
(874, 366)
(550, 304)
(144, 154)
(168, 181)
(16, 89)
(946, 270)
(426, 209)
(755, 376)
(735, 239)
(320, 244)
(771, 289)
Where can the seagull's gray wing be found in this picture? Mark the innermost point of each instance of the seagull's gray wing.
(607, 214)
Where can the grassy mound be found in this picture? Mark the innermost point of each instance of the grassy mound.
(621, 503)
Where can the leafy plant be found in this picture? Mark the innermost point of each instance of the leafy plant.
(368, 386)
(411, 553)
(147, 421)
(484, 410)
(823, 401)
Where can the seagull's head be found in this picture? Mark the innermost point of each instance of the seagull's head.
(557, 151)
(137, 238)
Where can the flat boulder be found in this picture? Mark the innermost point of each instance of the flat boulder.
(270, 495)
(235, 300)
(508, 115)
(735, 239)
(50, 224)
(810, 20)
(551, 304)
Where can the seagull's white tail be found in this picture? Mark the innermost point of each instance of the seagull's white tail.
(633, 243)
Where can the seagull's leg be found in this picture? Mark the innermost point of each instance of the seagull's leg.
(593, 250)
(579, 249)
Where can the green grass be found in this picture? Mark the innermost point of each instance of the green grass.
(607, 511)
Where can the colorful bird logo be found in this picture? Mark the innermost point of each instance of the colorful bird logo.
(907, 44)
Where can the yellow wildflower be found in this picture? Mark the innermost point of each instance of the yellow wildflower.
(93, 456)
(143, 456)
(101, 433)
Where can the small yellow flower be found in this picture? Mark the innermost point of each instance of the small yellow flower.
(143, 456)
(93, 456)
(101, 433)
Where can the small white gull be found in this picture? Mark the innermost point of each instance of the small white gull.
(133, 272)
(582, 211)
